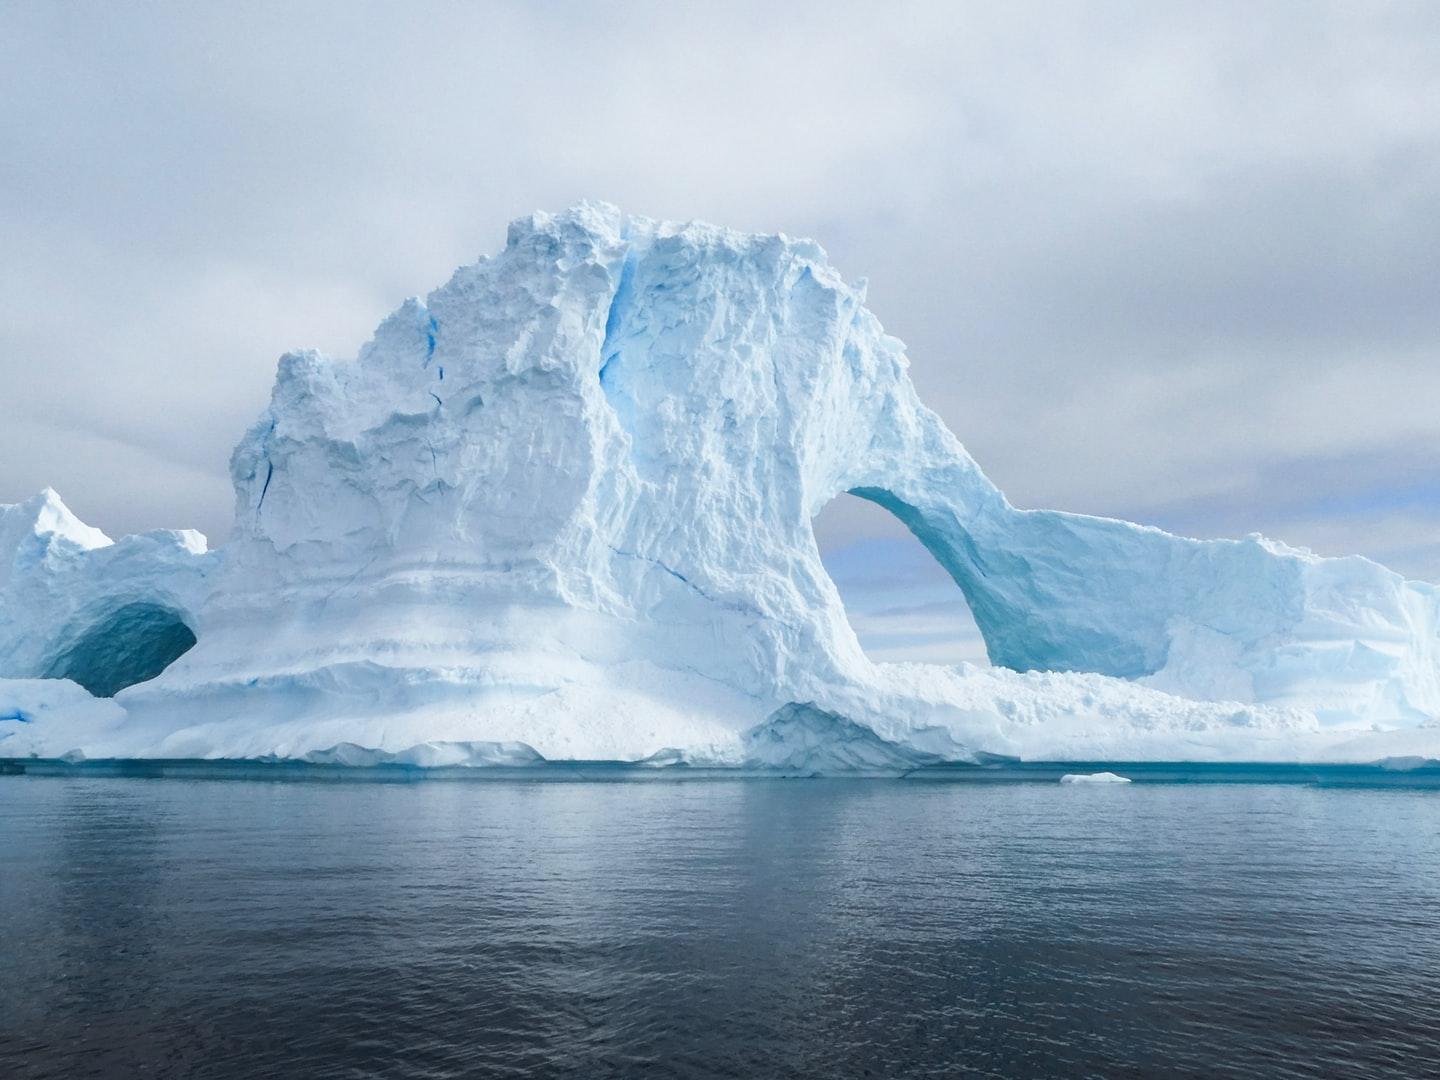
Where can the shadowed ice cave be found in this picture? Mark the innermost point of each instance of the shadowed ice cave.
(130, 645)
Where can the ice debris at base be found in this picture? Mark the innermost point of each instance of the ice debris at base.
(808, 741)
(1407, 763)
(429, 755)
(1094, 778)
(565, 501)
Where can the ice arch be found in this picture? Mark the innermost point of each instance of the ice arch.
(130, 645)
(1063, 592)
(901, 603)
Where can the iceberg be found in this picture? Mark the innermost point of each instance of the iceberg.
(562, 507)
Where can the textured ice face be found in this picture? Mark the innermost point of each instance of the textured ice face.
(566, 500)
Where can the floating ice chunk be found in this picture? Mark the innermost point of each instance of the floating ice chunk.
(1094, 778)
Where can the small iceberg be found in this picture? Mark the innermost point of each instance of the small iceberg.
(1093, 778)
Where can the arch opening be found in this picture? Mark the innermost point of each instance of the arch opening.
(131, 645)
(901, 602)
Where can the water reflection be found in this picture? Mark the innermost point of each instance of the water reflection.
(733, 928)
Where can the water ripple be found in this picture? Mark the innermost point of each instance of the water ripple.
(727, 929)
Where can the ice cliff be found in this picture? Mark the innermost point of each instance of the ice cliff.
(565, 503)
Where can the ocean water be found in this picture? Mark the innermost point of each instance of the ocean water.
(726, 928)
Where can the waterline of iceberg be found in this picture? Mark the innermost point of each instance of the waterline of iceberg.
(1406, 774)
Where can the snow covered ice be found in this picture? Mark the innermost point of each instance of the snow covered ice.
(562, 508)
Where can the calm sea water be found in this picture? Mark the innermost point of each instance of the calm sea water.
(747, 928)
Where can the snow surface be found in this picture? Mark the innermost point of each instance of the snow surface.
(564, 503)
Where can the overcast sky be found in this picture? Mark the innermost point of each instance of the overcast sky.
(1175, 263)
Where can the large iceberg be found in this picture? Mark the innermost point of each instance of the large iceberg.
(564, 505)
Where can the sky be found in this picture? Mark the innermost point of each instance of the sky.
(1172, 263)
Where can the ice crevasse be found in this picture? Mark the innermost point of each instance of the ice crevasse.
(561, 508)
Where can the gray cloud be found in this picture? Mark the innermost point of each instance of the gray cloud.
(1175, 263)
